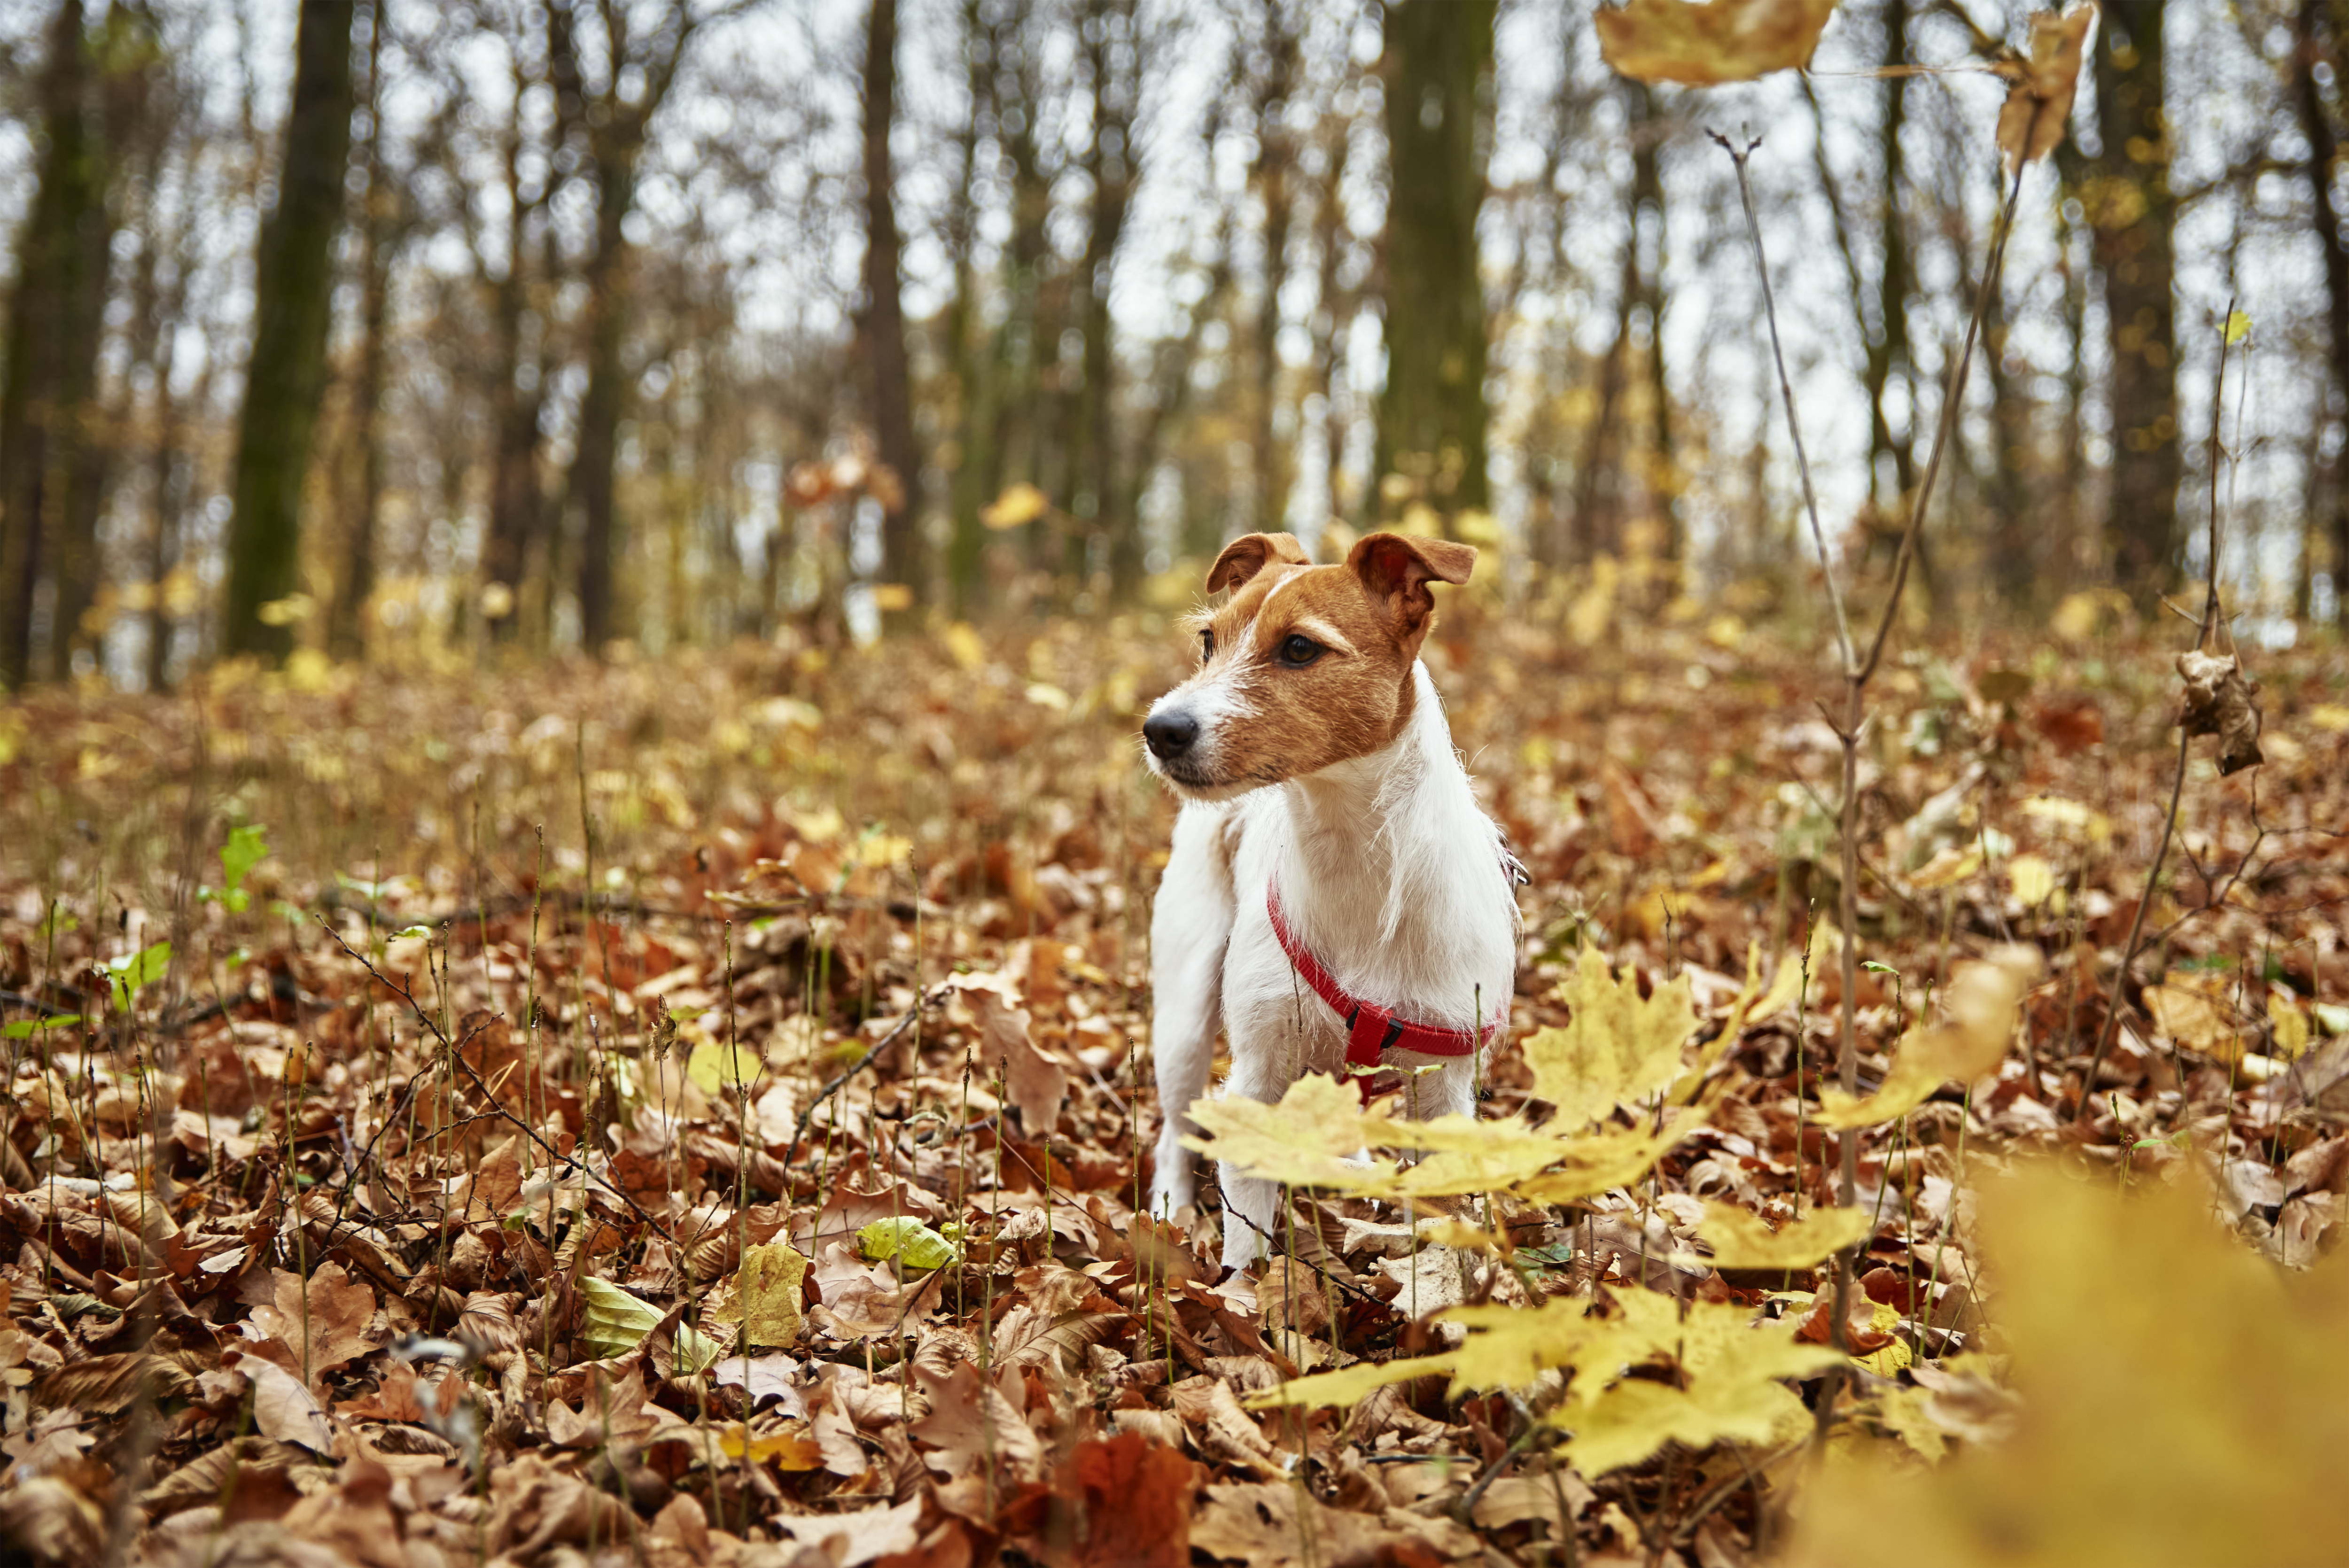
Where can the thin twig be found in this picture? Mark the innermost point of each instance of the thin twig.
(1858, 672)
(2202, 632)
(1786, 388)
(565, 1163)
(937, 994)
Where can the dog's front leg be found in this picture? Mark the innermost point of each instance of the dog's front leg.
(1190, 927)
(1267, 1053)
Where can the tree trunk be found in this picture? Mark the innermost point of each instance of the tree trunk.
(1114, 65)
(2018, 562)
(976, 461)
(1888, 349)
(593, 484)
(378, 220)
(1648, 213)
(1276, 161)
(1431, 413)
(881, 325)
(2132, 215)
(616, 128)
(55, 315)
(1596, 524)
(2319, 40)
(1330, 307)
(286, 377)
(517, 502)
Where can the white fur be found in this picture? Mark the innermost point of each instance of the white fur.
(1390, 874)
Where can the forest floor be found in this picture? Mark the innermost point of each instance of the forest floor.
(693, 1112)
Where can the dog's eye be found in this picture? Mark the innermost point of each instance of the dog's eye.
(1207, 643)
(1299, 650)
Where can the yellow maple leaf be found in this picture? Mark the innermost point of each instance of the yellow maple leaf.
(1741, 1241)
(1596, 1162)
(1616, 1046)
(1349, 1386)
(1510, 1347)
(1731, 1384)
(1466, 1155)
(1725, 41)
(2105, 1463)
(1307, 1140)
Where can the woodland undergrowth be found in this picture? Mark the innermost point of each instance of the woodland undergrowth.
(694, 1110)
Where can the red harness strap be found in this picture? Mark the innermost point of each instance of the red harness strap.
(1370, 1029)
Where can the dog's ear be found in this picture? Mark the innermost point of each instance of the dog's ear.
(1251, 553)
(1397, 567)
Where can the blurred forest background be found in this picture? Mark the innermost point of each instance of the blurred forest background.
(438, 332)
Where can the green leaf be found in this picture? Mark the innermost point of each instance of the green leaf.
(714, 1065)
(909, 1239)
(26, 1028)
(617, 1323)
(1874, 967)
(244, 851)
(135, 972)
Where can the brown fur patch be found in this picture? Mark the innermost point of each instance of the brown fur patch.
(1281, 719)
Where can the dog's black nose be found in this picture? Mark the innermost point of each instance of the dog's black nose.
(1170, 734)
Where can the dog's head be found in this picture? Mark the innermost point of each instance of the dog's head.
(1304, 666)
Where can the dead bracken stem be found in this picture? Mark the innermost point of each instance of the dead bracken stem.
(1856, 671)
(2202, 634)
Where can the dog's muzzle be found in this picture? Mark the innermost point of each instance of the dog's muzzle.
(1170, 734)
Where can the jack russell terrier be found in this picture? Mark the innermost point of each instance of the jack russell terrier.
(1335, 898)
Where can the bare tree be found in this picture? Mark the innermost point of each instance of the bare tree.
(1432, 415)
(293, 301)
(49, 446)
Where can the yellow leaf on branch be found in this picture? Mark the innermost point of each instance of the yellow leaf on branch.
(2039, 102)
(1701, 45)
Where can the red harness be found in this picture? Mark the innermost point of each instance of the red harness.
(1370, 1029)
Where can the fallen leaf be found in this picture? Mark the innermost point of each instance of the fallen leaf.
(1982, 1000)
(282, 1407)
(1137, 1499)
(1741, 1241)
(316, 1325)
(767, 1295)
(852, 1539)
(971, 1424)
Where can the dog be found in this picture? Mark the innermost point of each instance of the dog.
(1335, 898)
